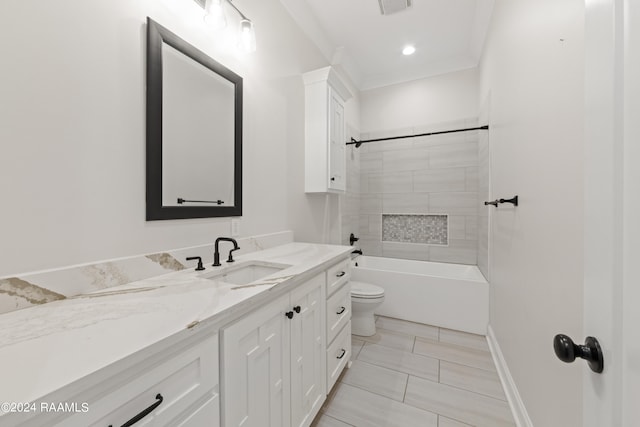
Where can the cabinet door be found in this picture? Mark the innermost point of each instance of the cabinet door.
(337, 147)
(308, 356)
(255, 368)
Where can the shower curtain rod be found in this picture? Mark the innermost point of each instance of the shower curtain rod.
(359, 143)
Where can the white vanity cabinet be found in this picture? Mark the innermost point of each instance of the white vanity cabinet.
(178, 387)
(273, 361)
(203, 355)
(338, 320)
(325, 158)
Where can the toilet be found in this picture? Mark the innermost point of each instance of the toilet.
(365, 299)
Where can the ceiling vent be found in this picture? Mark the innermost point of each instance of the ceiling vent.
(387, 7)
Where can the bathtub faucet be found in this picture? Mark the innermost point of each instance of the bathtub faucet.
(357, 252)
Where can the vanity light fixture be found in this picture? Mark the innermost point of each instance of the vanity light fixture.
(214, 15)
(247, 36)
(216, 18)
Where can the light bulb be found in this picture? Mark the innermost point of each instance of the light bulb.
(409, 50)
(214, 16)
(247, 36)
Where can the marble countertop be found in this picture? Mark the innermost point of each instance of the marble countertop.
(45, 348)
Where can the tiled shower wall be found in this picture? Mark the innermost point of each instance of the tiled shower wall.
(423, 175)
(484, 193)
(350, 200)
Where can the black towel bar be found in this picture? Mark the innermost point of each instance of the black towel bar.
(513, 200)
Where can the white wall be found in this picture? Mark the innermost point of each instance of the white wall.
(442, 98)
(533, 68)
(72, 127)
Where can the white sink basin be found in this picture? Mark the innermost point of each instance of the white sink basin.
(246, 272)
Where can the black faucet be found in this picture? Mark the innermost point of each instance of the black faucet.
(216, 254)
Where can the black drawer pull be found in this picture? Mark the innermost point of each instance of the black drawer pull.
(144, 413)
(289, 314)
(297, 309)
(339, 357)
(342, 273)
(342, 309)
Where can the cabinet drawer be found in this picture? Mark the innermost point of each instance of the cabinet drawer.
(338, 354)
(206, 415)
(337, 275)
(338, 311)
(181, 380)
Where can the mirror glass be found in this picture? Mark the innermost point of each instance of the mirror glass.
(197, 133)
(194, 131)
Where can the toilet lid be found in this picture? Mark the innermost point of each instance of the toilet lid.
(365, 290)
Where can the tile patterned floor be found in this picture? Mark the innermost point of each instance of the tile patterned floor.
(414, 375)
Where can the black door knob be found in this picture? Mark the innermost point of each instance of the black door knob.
(567, 351)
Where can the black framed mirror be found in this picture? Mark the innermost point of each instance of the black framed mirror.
(194, 131)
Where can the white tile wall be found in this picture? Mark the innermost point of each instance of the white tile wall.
(405, 160)
(454, 203)
(483, 194)
(405, 203)
(414, 251)
(424, 175)
(440, 180)
(350, 201)
(453, 155)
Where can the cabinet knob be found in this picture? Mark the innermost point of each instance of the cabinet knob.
(297, 309)
(333, 178)
(289, 314)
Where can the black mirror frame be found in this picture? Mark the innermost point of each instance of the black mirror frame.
(156, 36)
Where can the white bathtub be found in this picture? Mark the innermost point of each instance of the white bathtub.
(452, 296)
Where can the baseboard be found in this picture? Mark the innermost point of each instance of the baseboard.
(513, 397)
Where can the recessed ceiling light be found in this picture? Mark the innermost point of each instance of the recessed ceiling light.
(409, 50)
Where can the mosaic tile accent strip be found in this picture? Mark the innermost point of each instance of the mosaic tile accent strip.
(429, 229)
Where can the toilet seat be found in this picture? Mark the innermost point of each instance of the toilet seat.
(363, 290)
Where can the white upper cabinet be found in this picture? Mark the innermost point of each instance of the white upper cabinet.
(325, 162)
